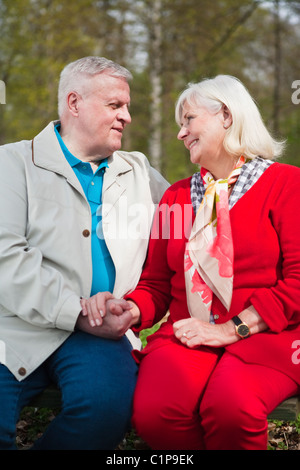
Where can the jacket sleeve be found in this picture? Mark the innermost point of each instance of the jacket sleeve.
(279, 305)
(29, 289)
(158, 185)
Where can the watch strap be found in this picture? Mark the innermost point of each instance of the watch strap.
(237, 320)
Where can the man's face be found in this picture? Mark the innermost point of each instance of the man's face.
(103, 113)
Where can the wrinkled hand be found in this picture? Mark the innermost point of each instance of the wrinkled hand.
(112, 327)
(96, 307)
(104, 316)
(193, 333)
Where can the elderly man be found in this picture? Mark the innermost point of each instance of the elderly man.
(75, 218)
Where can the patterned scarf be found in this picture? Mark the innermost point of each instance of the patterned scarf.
(208, 259)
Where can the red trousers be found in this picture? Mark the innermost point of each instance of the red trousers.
(192, 399)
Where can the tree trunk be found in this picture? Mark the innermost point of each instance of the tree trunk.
(277, 67)
(155, 140)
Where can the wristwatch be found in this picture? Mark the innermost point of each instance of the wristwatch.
(242, 330)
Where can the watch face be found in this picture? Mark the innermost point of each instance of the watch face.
(243, 330)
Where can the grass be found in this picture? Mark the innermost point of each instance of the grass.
(147, 332)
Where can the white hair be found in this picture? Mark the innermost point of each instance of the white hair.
(75, 74)
(248, 134)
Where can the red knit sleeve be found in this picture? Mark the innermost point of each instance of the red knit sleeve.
(279, 305)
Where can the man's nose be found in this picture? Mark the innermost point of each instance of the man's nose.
(124, 115)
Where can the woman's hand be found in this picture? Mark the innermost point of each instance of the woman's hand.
(193, 333)
(96, 307)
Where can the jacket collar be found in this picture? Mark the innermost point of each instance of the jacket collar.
(116, 167)
(46, 151)
(47, 154)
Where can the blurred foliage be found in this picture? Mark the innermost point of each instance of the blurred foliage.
(257, 41)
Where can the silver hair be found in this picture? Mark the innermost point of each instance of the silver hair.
(248, 134)
(74, 75)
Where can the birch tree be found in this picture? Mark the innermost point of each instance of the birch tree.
(155, 58)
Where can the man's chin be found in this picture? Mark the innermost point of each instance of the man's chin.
(116, 147)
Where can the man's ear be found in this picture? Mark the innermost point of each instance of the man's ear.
(227, 117)
(73, 99)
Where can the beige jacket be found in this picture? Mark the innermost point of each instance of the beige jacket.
(45, 245)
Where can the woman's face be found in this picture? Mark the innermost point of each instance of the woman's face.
(203, 134)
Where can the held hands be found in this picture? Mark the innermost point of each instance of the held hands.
(104, 316)
(96, 307)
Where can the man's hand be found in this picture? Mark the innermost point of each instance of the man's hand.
(112, 327)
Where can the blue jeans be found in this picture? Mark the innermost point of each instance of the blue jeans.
(97, 378)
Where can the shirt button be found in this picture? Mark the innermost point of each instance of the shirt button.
(22, 371)
(216, 317)
(92, 183)
(86, 233)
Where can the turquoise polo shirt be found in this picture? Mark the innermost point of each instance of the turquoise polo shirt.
(103, 266)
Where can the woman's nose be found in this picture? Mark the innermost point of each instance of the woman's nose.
(182, 133)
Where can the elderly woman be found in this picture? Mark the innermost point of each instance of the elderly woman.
(224, 260)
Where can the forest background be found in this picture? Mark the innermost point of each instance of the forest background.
(165, 44)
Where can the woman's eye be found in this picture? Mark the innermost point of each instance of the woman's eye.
(188, 119)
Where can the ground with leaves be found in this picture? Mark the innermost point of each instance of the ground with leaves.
(284, 436)
(32, 423)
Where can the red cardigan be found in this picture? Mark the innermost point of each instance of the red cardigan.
(266, 236)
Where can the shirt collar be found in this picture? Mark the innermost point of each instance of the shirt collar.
(72, 160)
